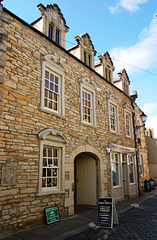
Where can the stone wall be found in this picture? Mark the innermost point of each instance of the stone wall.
(21, 119)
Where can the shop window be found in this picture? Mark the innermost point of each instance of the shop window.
(115, 169)
(141, 165)
(131, 169)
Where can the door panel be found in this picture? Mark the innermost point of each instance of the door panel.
(85, 180)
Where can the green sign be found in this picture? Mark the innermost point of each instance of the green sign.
(52, 215)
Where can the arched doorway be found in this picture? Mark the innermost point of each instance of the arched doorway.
(85, 179)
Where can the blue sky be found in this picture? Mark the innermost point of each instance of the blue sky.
(127, 29)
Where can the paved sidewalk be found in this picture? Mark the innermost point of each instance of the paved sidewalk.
(84, 219)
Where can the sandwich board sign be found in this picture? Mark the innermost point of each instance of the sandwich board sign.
(106, 213)
(51, 215)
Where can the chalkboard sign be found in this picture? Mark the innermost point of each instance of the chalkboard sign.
(105, 212)
(51, 215)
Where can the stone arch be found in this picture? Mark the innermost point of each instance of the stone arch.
(85, 148)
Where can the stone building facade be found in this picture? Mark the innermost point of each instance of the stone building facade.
(152, 153)
(67, 131)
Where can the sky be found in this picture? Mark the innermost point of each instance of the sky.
(127, 29)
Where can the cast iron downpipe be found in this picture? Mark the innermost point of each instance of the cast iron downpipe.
(134, 126)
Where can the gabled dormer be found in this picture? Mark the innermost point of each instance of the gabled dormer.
(84, 50)
(105, 66)
(52, 23)
(122, 81)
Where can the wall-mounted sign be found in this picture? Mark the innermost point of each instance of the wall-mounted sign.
(51, 214)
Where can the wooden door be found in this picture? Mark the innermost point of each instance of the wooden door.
(86, 180)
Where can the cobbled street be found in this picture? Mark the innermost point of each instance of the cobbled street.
(139, 223)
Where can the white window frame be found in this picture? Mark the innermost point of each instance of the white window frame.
(112, 101)
(126, 112)
(53, 139)
(114, 162)
(49, 64)
(87, 85)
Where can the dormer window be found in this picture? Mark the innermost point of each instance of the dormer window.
(52, 23)
(122, 81)
(84, 50)
(105, 66)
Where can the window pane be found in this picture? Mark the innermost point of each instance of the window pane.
(46, 83)
(45, 102)
(56, 80)
(51, 86)
(55, 162)
(44, 172)
(54, 172)
(55, 182)
(50, 104)
(50, 152)
(44, 161)
(47, 74)
(43, 182)
(55, 152)
(46, 93)
(49, 172)
(48, 182)
(52, 77)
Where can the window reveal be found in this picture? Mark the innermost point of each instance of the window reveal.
(51, 98)
(50, 167)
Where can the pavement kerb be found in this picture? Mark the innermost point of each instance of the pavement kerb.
(92, 225)
(136, 204)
